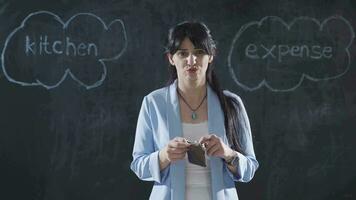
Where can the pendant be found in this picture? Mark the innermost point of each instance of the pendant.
(194, 116)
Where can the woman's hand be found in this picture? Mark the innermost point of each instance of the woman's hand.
(175, 150)
(216, 147)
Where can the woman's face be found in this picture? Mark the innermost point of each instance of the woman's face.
(191, 63)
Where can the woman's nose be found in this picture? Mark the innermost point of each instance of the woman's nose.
(191, 59)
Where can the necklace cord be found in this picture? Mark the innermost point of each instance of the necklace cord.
(180, 95)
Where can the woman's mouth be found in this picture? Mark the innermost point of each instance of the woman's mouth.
(192, 70)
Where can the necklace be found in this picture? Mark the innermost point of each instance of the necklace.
(194, 114)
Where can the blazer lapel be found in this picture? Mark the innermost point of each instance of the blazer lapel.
(216, 126)
(177, 169)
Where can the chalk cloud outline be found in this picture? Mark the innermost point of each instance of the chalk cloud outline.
(67, 71)
(288, 26)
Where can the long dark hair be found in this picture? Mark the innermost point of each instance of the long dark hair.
(199, 34)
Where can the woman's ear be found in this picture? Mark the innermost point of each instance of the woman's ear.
(170, 58)
(211, 58)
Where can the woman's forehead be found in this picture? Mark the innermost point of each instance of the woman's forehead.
(186, 44)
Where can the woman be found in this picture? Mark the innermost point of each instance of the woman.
(193, 108)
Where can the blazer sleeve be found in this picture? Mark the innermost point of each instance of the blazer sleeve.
(145, 163)
(247, 162)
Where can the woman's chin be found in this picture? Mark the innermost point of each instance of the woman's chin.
(192, 78)
(195, 81)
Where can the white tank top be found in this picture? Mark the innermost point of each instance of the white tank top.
(198, 179)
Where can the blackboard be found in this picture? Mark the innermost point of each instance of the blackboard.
(74, 73)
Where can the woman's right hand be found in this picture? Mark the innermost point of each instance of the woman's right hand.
(175, 150)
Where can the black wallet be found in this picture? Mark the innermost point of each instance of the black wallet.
(196, 154)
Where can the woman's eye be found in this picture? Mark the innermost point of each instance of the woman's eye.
(200, 52)
(183, 54)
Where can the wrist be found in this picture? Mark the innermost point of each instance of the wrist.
(231, 157)
(163, 158)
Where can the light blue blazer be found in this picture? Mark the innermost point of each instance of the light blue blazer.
(159, 122)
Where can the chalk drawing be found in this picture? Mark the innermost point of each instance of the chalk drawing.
(43, 45)
(293, 53)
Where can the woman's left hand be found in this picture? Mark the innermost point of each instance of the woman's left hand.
(216, 147)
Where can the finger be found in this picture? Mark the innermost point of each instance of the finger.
(204, 139)
(176, 144)
(213, 150)
(208, 146)
(178, 147)
(215, 138)
(177, 150)
(209, 137)
(210, 143)
(180, 139)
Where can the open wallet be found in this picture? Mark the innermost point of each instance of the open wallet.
(196, 154)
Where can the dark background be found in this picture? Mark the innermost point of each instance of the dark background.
(70, 142)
